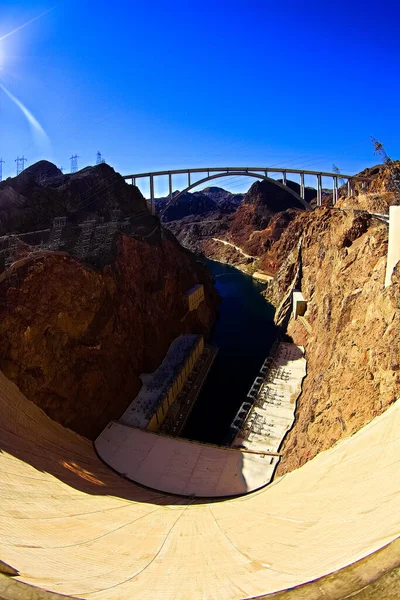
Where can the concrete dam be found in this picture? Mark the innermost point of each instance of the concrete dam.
(72, 527)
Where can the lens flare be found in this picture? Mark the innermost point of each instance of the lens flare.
(6, 35)
(38, 132)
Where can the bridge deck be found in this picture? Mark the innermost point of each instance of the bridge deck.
(230, 169)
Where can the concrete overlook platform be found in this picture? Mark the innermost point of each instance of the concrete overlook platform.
(70, 525)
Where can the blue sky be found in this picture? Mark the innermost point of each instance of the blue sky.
(158, 85)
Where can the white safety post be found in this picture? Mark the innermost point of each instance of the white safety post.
(393, 255)
(299, 304)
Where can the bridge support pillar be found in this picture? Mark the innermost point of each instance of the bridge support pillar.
(284, 177)
(170, 185)
(319, 190)
(349, 188)
(152, 202)
(189, 182)
(334, 191)
(393, 255)
(302, 189)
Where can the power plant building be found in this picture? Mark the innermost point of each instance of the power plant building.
(161, 388)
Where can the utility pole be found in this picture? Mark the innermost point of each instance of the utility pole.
(74, 163)
(1, 168)
(20, 164)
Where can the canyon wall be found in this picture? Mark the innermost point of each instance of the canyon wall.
(338, 259)
(76, 332)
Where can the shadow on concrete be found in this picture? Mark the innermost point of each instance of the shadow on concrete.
(30, 436)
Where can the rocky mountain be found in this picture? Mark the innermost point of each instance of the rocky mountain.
(338, 259)
(226, 200)
(41, 192)
(263, 201)
(212, 201)
(188, 205)
(87, 307)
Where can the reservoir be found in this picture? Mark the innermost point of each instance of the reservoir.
(243, 333)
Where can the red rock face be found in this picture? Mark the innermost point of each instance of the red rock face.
(75, 339)
(263, 216)
(284, 241)
(353, 357)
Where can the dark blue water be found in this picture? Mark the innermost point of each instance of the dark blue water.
(244, 332)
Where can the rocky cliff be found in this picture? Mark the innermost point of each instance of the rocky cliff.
(338, 259)
(378, 178)
(245, 235)
(76, 331)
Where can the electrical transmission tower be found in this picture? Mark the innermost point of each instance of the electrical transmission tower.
(56, 233)
(82, 246)
(336, 170)
(99, 159)
(394, 170)
(1, 168)
(74, 163)
(379, 149)
(20, 164)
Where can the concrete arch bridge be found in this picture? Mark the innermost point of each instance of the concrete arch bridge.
(209, 173)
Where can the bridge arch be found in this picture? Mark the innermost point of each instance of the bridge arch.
(243, 174)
